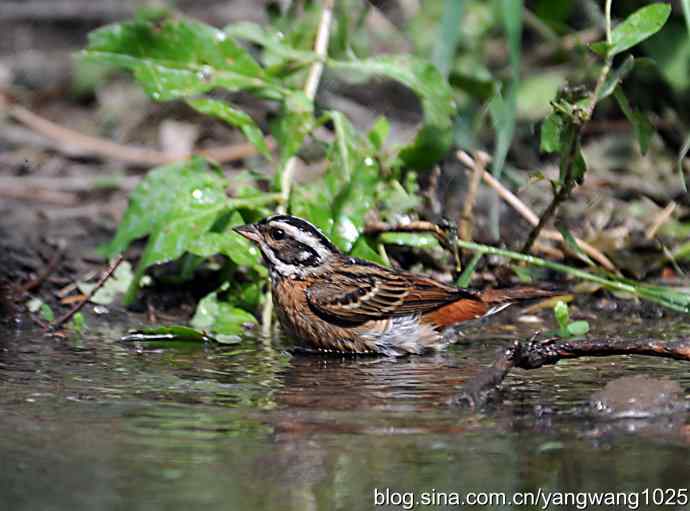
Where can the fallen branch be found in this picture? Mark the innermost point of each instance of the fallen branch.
(74, 142)
(536, 354)
(59, 323)
(531, 217)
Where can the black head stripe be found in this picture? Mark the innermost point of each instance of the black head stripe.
(303, 226)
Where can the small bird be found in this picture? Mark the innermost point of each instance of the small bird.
(341, 304)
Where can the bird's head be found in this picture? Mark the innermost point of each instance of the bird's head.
(291, 247)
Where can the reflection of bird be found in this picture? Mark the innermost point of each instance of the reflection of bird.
(337, 303)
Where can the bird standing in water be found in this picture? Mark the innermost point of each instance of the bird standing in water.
(338, 303)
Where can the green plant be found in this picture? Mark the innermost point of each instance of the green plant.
(562, 130)
(567, 328)
(183, 208)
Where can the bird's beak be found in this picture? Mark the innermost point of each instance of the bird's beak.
(249, 231)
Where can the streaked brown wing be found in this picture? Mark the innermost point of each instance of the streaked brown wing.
(364, 293)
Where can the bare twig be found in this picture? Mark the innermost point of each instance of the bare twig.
(53, 197)
(310, 87)
(71, 142)
(55, 325)
(534, 354)
(660, 220)
(531, 217)
(467, 219)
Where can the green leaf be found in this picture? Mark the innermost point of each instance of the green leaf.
(601, 48)
(641, 125)
(637, 27)
(379, 132)
(175, 204)
(47, 312)
(233, 117)
(363, 250)
(167, 333)
(434, 138)
(615, 77)
(221, 317)
(448, 35)
(466, 277)
(240, 250)
(154, 198)
(560, 312)
(551, 130)
(410, 239)
(578, 328)
(579, 166)
(175, 58)
(271, 40)
(78, 323)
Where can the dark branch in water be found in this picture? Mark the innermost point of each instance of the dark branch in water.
(535, 354)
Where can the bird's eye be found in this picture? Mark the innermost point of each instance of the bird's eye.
(277, 234)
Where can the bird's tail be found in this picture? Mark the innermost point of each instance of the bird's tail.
(486, 303)
(515, 294)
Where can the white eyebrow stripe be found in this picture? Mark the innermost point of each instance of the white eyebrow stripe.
(305, 238)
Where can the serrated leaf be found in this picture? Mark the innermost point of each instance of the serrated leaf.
(637, 27)
(174, 205)
(175, 58)
(435, 136)
(233, 117)
(271, 40)
(152, 200)
(551, 130)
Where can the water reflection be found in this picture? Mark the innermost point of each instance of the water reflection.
(99, 425)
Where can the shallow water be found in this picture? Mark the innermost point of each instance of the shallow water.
(92, 423)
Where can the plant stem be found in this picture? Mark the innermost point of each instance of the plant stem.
(615, 285)
(568, 160)
(310, 87)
